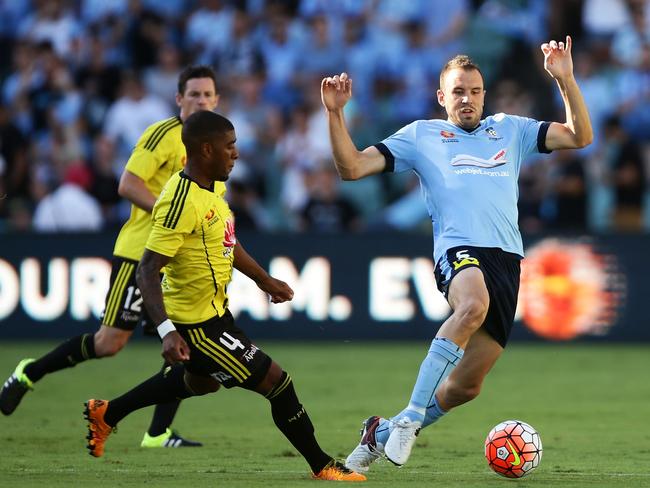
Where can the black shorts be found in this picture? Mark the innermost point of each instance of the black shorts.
(220, 349)
(123, 308)
(501, 271)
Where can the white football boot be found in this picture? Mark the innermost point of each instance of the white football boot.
(368, 450)
(400, 442)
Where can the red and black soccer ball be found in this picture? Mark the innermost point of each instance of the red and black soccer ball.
(513, 449)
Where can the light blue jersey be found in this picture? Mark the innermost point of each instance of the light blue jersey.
(468, 179)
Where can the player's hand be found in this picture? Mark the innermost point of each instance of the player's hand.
(174, 348)
(557, 58)
(278, 290)
(335, 91)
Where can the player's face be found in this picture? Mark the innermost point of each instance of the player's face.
(462, 95)
(224, 155)
(199, 94)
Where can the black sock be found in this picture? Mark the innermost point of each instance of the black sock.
(163, 387)
(163, 415)
(292, 420)
(66, 355)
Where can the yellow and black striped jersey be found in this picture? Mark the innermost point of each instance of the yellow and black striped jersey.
(195, 227)
(158, 154)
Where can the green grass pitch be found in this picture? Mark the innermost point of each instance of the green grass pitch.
(590, 403)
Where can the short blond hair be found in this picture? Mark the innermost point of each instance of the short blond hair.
(461, 61)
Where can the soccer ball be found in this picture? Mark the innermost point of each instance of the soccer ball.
(513, 449)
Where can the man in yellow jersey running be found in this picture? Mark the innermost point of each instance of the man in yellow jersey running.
(158, 154)
(193, 239)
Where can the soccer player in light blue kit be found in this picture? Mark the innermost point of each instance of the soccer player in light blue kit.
(468, 170)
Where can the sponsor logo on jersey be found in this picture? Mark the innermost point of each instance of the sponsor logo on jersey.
(212, 217)
(229, 239)
(448, 136)
(499, 159)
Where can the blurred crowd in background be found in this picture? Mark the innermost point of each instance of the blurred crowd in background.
(80, 80)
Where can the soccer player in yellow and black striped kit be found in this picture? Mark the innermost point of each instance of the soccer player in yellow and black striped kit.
(193, 239)
(158, 155)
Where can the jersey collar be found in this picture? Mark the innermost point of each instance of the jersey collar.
(210, 189)
(475, 129)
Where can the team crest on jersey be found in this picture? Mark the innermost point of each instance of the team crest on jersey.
(494, 135)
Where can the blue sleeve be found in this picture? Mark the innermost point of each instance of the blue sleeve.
(533, 135)
(400, 149)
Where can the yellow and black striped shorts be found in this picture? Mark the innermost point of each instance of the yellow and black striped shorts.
(220, 349)
(123, 308)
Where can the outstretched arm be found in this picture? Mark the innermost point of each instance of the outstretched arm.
(351, 163)
(278, 290)
(576, 132)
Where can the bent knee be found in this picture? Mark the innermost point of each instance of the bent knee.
(270, 380)
(472, 312)
(463, 393)
(110, 340)
(107, 348)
